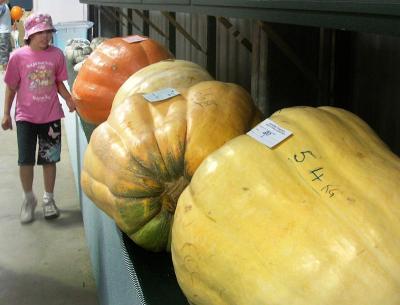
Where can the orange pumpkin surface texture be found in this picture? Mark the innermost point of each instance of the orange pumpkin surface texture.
(107, 68)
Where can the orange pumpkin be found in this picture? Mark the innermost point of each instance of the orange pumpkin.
(107, 68)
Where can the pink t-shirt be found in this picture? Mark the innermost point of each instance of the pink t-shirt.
(34, 74)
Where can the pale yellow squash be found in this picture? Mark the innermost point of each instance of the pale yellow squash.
(313, 221)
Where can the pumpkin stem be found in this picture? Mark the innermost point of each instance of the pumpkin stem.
(173, 190)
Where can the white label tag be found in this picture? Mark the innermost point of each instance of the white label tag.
(134, 38)
(269, 133)
(161, 95)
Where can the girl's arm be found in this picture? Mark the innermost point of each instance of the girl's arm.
(66, 96)
(6, 122)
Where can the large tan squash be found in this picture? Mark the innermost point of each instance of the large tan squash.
(313, 221)
(138, 162)
(171, 73)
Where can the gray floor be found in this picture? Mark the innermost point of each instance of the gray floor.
(45, 262)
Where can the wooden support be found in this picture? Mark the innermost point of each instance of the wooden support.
(130, 32)
(146, 24)
(259, 75)
(185, 34)
(172, 36)
(235, 33)
(93, 15)
(129, 19)
(326, 66)
(113, 15)
(212, 45)
(150, 23)
(104, 12)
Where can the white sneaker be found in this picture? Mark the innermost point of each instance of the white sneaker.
(28, 210)
(50, 209)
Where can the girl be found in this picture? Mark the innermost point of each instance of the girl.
(35, 73)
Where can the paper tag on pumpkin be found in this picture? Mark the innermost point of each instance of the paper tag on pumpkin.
(134, 38)
(161, 95)
(269, 133)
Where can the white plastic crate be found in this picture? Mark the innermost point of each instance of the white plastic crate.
(70, 30)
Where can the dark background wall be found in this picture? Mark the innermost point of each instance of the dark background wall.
(367, 81)
(26, 4)
(296, 65)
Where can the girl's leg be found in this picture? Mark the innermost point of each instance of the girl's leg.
(50, 209)
(26, 135)
(49, 176)
(29, 203)
(26, 177)
(27, 139)
(48, 156)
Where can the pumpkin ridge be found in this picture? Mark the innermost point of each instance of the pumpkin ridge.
(161, 156)
(175, 171)
(160, 177)
(153, 173)
(144, 181)
(171, 175)
(137, 161)
(104, 182)
(144, 53)
(172, 188)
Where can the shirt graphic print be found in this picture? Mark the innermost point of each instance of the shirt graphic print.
(36, 74)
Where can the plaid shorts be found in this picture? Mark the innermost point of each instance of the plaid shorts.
(49, 135)
(5, 48)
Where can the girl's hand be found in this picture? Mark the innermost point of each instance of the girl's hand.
(6, 123)
(71, 104)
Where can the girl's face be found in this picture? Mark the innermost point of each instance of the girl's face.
(41, 40)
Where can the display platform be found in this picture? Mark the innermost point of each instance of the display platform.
(154, 276)
(126, 274)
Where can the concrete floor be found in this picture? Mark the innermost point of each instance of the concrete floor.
(45, 262)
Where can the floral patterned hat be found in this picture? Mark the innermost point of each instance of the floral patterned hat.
(38, 22)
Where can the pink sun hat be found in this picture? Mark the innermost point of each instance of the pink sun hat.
(37, 23)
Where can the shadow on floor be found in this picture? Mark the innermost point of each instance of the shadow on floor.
(33, 289)
(68, 218)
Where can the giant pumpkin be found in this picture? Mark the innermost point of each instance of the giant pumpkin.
(107, 68)
(313, 221)
(138, 162)
(171, 73)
